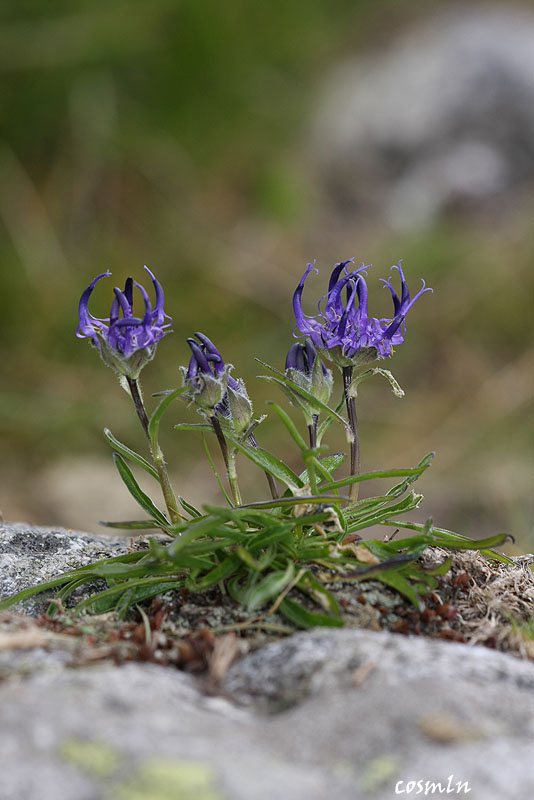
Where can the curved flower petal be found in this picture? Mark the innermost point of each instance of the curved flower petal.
(88, 323)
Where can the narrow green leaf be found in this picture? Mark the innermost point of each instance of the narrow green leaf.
(131, 455)
(270, 587)
(286, 383)
(219, 573)
(290, 425)
(137, 493)
(190, 509)
(318, 592)
(214, 469)
(296, 500)
(445, 538)
(132, 525)
(328, 463)
(403, 586)
(107, 599)
(269, 463)
(377, 517)
(37, 589)
(442, 569)
(302, 618)
(371, 476)
(155, 419)
(203, 427)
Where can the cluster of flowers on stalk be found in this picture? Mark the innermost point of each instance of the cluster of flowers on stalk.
(342, 332)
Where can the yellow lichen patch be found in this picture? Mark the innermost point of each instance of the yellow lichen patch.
(95, 758)
(169, 779)
(379, 772)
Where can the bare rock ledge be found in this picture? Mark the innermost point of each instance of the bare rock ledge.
(342, 714)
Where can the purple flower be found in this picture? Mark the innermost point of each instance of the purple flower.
(343, 330)
(125, 342)
(212, 388)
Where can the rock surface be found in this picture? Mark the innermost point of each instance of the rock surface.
(329, 713)
(442, 118)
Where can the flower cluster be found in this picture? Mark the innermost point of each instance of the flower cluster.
(343, 331)
(125, 342)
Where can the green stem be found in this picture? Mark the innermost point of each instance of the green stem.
(353, 422)
(229, 461)
(232, 478)
(155, 451)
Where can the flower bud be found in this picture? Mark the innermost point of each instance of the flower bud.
(239, 406)
(305, 368)
(206, 376)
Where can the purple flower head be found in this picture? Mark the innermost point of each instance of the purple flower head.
(305, 368)
(125, 342)
(343, 330)
(212, 388)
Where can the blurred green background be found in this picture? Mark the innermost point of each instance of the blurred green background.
(172, 133)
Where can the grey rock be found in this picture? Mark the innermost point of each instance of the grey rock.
(444, 117)
(328, 713)
(310, 663)
(30, 555)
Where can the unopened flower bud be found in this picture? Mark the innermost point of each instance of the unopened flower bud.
(305, 368)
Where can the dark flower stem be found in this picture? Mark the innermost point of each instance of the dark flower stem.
(138, 403)
(155, 452)
(229, 460)
(312, 430)
(270, 479)
(353, 422)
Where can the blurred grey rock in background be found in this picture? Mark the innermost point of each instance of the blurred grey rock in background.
(442, 120)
